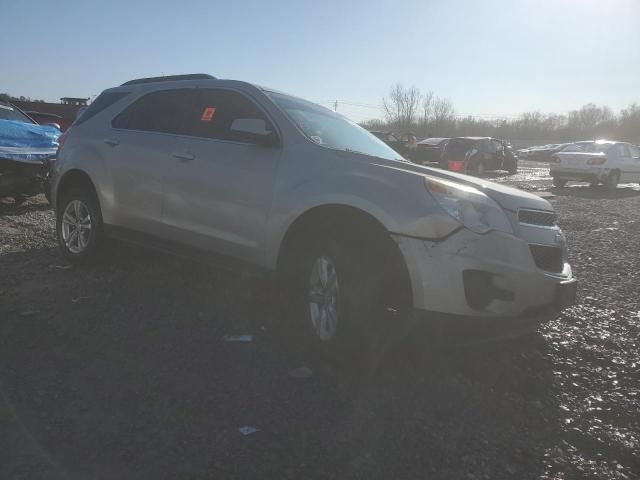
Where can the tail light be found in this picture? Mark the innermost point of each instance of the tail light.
(596, 161)
(456, 165)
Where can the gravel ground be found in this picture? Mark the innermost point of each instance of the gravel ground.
(120, 371)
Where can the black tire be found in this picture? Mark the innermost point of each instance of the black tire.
(95, 237)
(559, 182)
(513, 168)
(612, 180)
(363, 275)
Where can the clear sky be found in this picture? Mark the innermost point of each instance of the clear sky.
(489, 57)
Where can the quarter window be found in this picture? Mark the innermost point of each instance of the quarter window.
(104, 100)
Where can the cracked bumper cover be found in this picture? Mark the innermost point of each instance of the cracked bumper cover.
(526, 294)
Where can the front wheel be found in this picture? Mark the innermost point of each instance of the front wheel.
(329, 293)
(559, 182)
(79, 225)
(346, 293)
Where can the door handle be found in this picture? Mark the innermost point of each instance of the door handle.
(111, 141)
(184, 156)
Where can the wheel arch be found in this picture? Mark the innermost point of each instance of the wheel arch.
(75, 178)
(352, 219)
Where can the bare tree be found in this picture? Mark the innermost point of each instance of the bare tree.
(427, 109)
(443, 115)
(401, 106)
(630, 123)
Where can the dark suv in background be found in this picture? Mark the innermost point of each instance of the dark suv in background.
(478, 154)
(430, 150)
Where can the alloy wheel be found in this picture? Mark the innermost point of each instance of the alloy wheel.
(76, 226)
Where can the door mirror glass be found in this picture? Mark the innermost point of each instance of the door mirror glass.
(253, 130)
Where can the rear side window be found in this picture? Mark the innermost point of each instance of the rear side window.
(459, 147)
(163, 111)
(215, 110)
(104, 100)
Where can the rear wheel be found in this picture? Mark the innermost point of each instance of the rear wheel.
(612, 180)
(559, 182)
(79, 225)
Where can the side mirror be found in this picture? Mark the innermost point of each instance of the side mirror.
(55, 125)
(253, 130)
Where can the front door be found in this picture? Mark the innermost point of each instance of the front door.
(218, 196)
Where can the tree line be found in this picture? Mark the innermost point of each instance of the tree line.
(6, 97)
(408, 110)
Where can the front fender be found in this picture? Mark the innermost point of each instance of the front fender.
(396, 199)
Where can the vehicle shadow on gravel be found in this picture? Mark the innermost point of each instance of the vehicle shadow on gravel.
(121, 370)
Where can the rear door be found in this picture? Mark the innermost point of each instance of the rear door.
(142, 140)
(219, 195)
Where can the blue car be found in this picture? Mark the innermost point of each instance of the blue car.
(26, 152)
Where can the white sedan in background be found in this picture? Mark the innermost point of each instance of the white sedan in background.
(599, 162)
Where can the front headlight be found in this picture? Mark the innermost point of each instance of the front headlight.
(469, 206)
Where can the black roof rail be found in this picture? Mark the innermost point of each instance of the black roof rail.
(170, 78)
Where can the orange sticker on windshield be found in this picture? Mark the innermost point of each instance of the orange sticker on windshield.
(207, 114)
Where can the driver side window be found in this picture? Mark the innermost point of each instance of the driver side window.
(215, 111)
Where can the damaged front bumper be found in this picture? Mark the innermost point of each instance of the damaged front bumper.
(488, 282)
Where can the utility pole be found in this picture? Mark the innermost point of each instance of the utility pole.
(335, 106)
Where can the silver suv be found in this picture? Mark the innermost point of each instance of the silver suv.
(353, 233)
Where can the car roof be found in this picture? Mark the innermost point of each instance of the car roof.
(476, 138)
(177, 81)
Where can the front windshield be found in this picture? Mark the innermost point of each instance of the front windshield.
(7, 112)
(331, 130)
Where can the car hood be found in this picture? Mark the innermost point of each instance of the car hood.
(507, 197)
